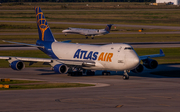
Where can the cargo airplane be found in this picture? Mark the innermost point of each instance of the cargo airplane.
(88, 32)
(78, 59)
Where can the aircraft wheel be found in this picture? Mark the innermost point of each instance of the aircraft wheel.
(92, 37)
(86, 37)
(108, 73)
(125, 77)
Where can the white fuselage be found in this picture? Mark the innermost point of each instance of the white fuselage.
(115, 57)
(86, 32)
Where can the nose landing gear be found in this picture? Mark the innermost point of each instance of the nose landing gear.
(125, 76)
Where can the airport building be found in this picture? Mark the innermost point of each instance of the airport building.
(169, 2)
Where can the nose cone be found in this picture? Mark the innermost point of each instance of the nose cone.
(132, 62)
(64, 31)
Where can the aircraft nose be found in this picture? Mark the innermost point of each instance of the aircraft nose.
(136, 60)
(133, 61)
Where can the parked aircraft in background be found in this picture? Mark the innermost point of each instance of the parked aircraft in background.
(88, 32)
(78, 59)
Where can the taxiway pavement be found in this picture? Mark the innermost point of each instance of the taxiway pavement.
(143, 92)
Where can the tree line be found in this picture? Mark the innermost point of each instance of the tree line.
(3, 1)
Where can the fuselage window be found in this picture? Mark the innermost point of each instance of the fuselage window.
(128, 48)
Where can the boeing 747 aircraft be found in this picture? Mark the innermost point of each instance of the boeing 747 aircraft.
(78, 59)
(88, 32)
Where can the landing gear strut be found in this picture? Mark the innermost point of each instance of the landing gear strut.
(87, 37)
(125, 76)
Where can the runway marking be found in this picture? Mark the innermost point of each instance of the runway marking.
(135, 97)
(163, 97)
(118, 106)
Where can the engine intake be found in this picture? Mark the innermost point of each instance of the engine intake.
(17, 65)
(138, 69)
(60, 68)
(150, 63)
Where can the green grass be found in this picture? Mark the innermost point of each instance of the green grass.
(26, 84)
(125, 16)
(172, 55)
(19, 82)
(49, 85)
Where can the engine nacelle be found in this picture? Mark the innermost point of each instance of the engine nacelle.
(60, 68)
(138, 69)
(17, 65)
(150, 63)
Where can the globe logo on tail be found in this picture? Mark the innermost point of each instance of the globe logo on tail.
(41, 22)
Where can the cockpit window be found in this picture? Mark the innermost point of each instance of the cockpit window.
(68, 28)
(128, 48)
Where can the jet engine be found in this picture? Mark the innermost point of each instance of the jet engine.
(60, 68)
(17, 65)
(138, 69)
(150, 63)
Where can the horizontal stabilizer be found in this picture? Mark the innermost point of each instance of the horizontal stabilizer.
(66, 41)
(32, 45)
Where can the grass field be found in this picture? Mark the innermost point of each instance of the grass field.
(26, 84)
(118, 13)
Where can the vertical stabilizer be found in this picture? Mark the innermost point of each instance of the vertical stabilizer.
(43, 28)
(108, 27)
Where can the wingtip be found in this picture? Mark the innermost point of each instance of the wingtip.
(161, 51)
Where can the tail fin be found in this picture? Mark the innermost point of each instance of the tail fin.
(43, 28)
(108, 27)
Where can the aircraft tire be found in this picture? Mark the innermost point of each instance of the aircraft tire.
(125, 77)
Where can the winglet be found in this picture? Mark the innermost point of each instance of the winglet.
(161, 52)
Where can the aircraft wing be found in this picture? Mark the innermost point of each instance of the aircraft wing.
(161, 54)
(50, 61)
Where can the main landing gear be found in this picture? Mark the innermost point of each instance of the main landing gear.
(80, 72)
(106, 73)
(125, 76)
